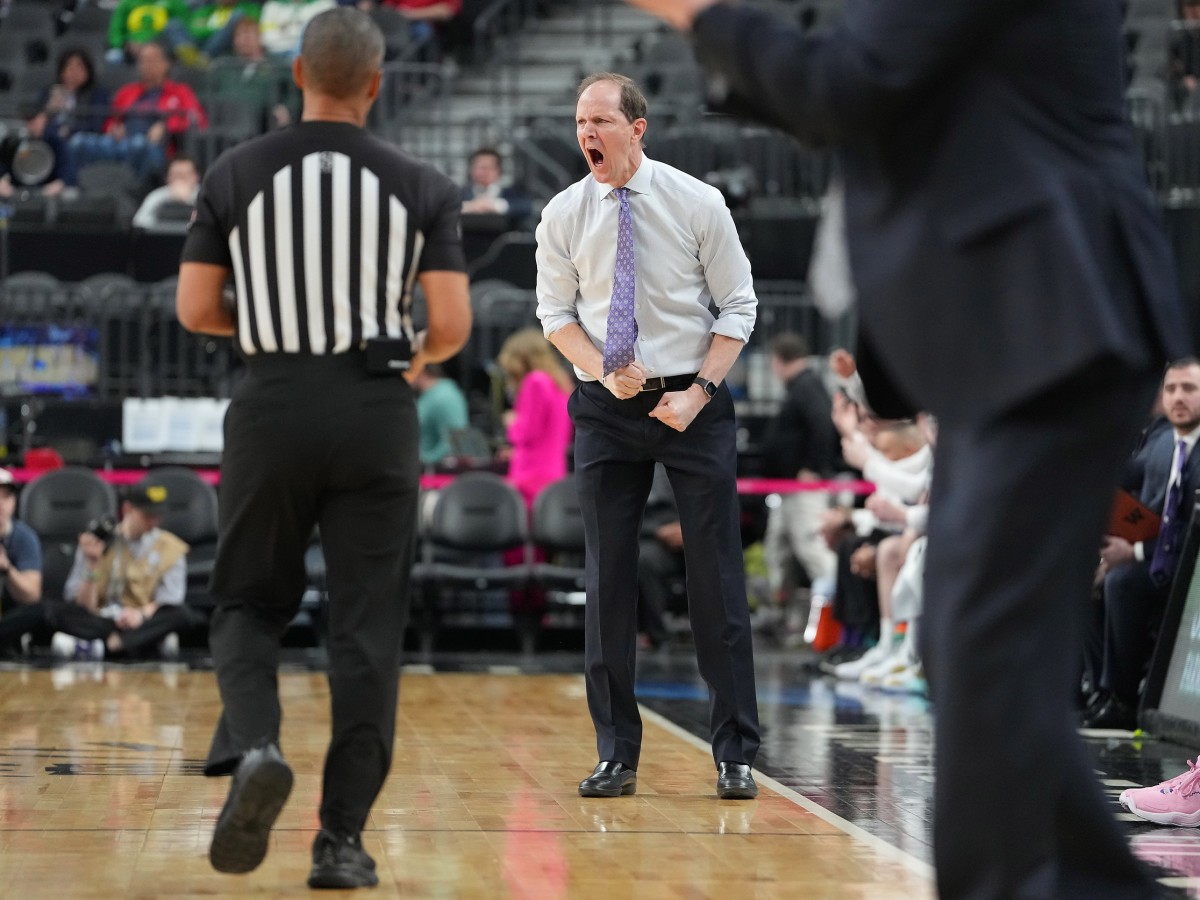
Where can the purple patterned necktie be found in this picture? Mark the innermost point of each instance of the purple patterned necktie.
(622, 326)
(1170, 535)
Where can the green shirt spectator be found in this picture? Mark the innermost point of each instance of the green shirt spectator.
(207, 20)
(141, 21)
(441, 409)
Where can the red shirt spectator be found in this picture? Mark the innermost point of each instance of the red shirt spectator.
(139, 106)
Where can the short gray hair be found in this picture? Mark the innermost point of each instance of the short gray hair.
(341, 50)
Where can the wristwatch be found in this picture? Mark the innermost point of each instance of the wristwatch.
(707, 386)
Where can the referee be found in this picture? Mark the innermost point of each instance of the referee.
(324, 229)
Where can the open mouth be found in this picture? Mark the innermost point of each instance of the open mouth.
(596, 157)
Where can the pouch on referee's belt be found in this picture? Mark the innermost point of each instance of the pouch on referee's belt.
(389, 355)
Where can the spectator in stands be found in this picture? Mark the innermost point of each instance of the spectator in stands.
(283, 22)
(428, 20)
(441, 409)
(211, 26)
(538, 426)
(800, 442)
(1183, 67)
(20, 557)
(899, 565)
(183, 183)
(73, 103)
(898, 459)
(136, 23)
(1137, 577)
(255, 78)
(484, 194)
(148, 116)
(125, 591)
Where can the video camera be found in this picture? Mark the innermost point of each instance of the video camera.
(103, 529)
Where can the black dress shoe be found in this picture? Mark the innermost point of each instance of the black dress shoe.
(1111, 713)
(261, 784)
(611, 779)
(734, 782)
(339, 861)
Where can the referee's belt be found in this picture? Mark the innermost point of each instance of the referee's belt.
(669, 383)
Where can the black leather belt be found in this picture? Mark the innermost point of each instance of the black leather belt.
(669, 383)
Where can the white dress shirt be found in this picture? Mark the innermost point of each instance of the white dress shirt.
(688, 255)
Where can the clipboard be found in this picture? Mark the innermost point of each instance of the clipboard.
(1132, 519)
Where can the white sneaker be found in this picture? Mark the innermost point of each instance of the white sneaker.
(852, 671)
(169, 646)
(910, 680)
(896, 661)
(63, 645)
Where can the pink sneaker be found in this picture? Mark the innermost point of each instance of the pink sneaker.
(1174, 802)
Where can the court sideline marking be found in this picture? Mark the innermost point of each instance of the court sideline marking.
(878, 844)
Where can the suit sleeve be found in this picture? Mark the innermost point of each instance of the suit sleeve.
(856, 79)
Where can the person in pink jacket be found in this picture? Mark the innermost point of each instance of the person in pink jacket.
(538, 427)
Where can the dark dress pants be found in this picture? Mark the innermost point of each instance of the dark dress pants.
(616, 446)
(1018, 508)
(308, 441)
(1133, 610)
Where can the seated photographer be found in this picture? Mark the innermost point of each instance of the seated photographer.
(125, 591)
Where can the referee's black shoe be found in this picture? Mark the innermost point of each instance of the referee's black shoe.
(261, 784)
(339, 861)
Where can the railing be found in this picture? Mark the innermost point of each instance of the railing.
(498, 40)
(108, 343)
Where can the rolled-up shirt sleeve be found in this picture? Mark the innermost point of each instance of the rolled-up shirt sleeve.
(172, 588)
(726, 270)
(75, 578)
(557, 278)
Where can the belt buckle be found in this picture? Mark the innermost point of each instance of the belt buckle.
(658, 383)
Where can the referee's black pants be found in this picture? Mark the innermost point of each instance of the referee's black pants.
(616, 447)
(316, 440)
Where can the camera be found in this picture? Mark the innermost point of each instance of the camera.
(103, 529)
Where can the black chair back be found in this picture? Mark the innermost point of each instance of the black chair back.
(59, 505)
(557, 518)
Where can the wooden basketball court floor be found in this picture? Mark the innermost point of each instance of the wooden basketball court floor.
(101, 795)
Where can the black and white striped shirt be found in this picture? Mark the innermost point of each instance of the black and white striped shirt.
(325, 228)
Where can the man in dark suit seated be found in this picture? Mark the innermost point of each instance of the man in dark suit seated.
(1137, 577)
(483, 194)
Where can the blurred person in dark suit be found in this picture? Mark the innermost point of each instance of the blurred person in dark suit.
(1014, 278)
